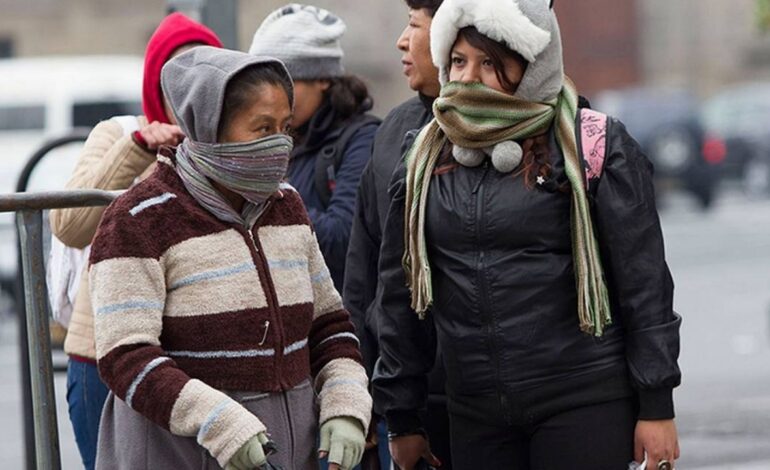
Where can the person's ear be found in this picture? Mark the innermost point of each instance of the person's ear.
(324, 84)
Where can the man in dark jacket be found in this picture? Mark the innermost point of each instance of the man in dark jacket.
(390, 143)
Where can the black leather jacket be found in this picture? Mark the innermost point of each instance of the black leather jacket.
(504, 311)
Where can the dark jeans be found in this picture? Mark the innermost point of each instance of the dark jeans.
(85, 395)
(595, 437)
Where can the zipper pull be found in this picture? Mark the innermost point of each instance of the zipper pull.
(264, 337)
(483, 176)
(253, 241)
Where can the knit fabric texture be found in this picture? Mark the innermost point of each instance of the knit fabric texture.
(475, 116)
(254, 170)
(174, 31)
(305, 38)
(187, 306)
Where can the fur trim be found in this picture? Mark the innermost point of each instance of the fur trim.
(501, 20)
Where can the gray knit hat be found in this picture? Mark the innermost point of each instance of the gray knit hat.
(305, 38)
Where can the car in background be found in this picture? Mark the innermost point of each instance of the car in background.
(666, 123)
(47, 97)
(740, 116)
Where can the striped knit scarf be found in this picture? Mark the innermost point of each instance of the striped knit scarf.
(475, 116)
(253, 170)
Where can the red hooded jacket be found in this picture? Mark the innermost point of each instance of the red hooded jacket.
(174, 31)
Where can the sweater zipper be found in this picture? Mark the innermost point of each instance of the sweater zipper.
(270, 296)
(272, 303)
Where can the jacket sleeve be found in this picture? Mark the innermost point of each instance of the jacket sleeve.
(110, 161)
(335, 360)
(639, 280)
(332, 226)
(361, 267)
(128, 291)
(407, 344)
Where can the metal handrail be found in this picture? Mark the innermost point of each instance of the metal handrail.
(56, 199)
(77, 135)
(29, 216)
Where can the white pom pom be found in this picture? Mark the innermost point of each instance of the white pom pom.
(506, 156)
(468, 157)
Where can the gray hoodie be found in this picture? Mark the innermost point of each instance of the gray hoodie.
(194, 83)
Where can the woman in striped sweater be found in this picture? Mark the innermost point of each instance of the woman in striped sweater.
(118, 152)
(215, 316)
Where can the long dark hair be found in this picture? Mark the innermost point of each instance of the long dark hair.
(241, 89)
(348, 95)
(537, 155)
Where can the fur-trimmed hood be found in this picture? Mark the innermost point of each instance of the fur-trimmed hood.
(529, 27)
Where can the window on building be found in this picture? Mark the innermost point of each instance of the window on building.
(6, 48)
(89, 114)
(22, 118)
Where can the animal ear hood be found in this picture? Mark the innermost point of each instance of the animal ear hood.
(528, 27)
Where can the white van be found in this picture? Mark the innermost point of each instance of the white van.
(47, 97)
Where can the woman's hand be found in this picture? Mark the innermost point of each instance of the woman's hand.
(658, 439)
(342, 440)
(251, 455)
(408, 450)
(158, 134)
(372, 438)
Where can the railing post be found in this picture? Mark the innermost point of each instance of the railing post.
(30, 224)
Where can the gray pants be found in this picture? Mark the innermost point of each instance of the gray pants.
(129, 441)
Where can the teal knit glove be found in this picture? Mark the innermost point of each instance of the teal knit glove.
(250, 455)
(344, 440)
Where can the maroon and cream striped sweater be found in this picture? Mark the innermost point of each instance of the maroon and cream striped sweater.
(187, 305)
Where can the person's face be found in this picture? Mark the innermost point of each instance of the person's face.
(471, 65)
(414, 42)
(267, 115)
(308, 97)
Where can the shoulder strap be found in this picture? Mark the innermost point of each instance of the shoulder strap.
(330, 157)
(593, 145)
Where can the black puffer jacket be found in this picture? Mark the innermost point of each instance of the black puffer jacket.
(504, 310)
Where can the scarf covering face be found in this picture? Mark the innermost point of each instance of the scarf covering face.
(475, 116)
(253, 170)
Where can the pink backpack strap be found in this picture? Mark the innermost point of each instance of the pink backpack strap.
(593, 145)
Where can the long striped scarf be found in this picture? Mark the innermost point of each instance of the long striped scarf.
(475, 116)
(253, 170)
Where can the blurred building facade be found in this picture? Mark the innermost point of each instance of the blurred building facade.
(608, 43)
(601, 43)
(704, 44)
(54, 27)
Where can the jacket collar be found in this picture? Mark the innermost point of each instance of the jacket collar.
(427, 101)
(322, 128)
